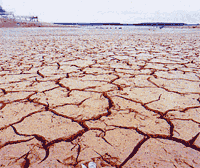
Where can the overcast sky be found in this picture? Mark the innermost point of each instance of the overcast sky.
(120, 11)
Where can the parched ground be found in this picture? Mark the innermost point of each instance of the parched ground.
(114, 97)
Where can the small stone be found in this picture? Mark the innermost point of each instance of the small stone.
(92, 165)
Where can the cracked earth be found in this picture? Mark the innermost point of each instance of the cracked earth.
(113, 97)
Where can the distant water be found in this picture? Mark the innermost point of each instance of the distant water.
(89, 30)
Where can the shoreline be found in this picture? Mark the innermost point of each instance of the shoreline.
(10, 23)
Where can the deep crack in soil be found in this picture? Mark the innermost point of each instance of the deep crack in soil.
(115, 97)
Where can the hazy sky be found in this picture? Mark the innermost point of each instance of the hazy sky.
(121, 11)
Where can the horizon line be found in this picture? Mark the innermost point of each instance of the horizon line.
(129, 24)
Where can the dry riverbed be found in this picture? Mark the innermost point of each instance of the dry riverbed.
(114, 97)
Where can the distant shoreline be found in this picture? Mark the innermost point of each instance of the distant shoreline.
(9, 23)
(153, 24)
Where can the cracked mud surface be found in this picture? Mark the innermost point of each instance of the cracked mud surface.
(114, 97)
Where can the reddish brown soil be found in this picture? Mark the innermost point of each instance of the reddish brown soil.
(117, 98)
